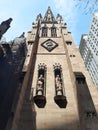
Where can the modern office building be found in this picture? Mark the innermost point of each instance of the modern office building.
(83, 46)
(89, 49)
(57, 93)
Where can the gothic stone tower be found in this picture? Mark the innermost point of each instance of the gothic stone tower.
(56, 93)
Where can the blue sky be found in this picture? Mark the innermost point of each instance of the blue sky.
(24, 13)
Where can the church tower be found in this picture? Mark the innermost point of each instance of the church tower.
(57, 93)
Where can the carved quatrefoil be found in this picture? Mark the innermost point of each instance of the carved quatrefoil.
(49, 45)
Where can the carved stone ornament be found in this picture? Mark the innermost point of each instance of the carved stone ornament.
(49, 45)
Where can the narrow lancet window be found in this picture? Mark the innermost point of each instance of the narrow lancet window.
(80, 79)
(40, 97)
(59, 98)
(44, 32)
(53, 32)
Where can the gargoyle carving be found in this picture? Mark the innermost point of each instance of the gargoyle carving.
(4, 26)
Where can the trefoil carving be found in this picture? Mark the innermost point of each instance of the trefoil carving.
(49, 45)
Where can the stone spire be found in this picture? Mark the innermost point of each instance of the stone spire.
(49, 17)
(39, 17)
(59, 18)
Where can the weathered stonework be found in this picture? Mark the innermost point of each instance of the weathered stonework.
(52, 117)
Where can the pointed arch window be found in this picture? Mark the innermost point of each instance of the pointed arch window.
(53, 32)
(44, 32)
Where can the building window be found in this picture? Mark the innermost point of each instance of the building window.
(97, 53)
(80, 79)
(44, 32)
(90, 114)
(53, 32)
(68, 42)
(72, 55)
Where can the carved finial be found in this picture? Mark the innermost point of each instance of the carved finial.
(22, 35)
(49, 17)
(48, 7)
(59, 18)
(39, 17)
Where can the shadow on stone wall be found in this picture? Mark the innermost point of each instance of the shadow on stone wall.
(72, 125)
(27, 115)
(87, 111)
(10, 69)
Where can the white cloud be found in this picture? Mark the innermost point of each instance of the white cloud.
(69, 12)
